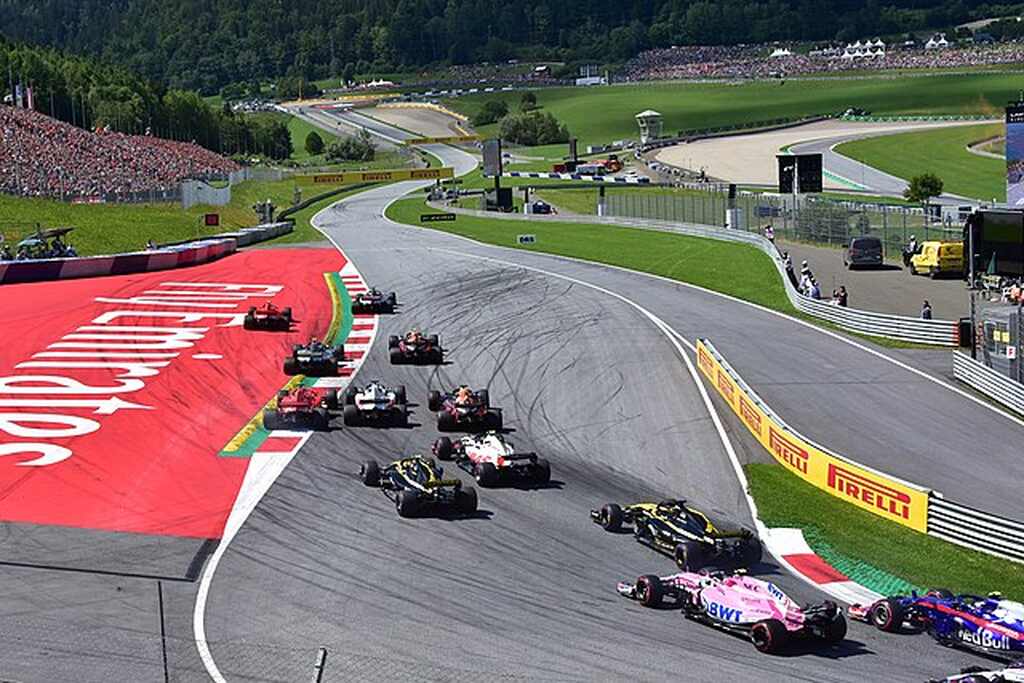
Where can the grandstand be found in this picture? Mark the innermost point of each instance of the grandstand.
(43, 157)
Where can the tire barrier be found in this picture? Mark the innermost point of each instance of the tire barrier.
(984, 379)
(911, 505)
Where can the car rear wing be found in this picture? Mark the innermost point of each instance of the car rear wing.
(442, 483)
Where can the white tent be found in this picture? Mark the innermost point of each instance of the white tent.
(780, 52)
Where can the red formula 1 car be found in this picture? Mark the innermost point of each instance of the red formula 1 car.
(268, 317)
(464, 410)
(301, 408)
(415, 348)
(492, 460)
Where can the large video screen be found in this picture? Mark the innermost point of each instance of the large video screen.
(1015, 155)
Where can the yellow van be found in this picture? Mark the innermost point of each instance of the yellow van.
(938, 258)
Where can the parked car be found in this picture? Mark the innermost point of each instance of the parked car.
(863, 252)
(938, 258)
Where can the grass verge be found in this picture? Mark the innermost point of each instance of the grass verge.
(882, 547)
(942, 152)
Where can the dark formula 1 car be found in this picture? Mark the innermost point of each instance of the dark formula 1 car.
(492, 460)
(674, 528)
(1013, 673)
(268, 317)
(464, 410)
(421, 349)
(741, 605)
(314, 359)
(375, 404)
(415, 485)
(374, 301)
(990, 625)
(301, 408)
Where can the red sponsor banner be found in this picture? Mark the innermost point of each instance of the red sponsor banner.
(117, 393)
(869, 491)
(750, 416)
(705, 361)
(787, 450)
(726, 388)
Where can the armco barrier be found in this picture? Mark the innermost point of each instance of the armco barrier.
(900, 328)
(888, 497)
(893, 499)
(989, 382)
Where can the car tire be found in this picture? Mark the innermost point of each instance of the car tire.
(270, 420)
(407, 502)
(249, 322)
(321, 420)
(433, 340)
(288, 315)
(494, 421)
(466, 500)
(542, 472)
(397, 357)
(611, 517)
(332, 399)
(393, 342)
(351, 416)
(434, 400)
(750, 551)
(834, 631)
(443, 448)
(690, 556)
(369, 472)
(392, 300)
(933, 273)
(446, 422)
(886, 615)
(350, 395)
(649, 590)
(485, 397)
(769, 636)
(291, 367)
(486, 474)
(400, 396)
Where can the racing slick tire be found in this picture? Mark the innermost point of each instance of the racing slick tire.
(397, 357)
(769, 636)
(690, 556)
(350, 395)
(332, 399)
(399, 417)
(485, 397)
(750, 551)
(291, 366)
(407, 502)
(434, 400)
(446, 422)
(486, 474)
(611, 517)
(834, 632)
(649, 590)
(249, 322)
(321, 420)
(400, 396)
(392, 301)
(541, 472)
(443, 448)
(369, 472)
(287, 312)
(886, 615)
(434, 341)
(351, 416)
(271, 420)
(393, 342)
(493, 420)
(466, 500)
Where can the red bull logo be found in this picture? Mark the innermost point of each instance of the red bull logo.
(868, 491)
(787, 451)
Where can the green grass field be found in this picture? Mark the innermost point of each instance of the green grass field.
(943, 152)
(114, 228)
(600, 115)
(783, 500)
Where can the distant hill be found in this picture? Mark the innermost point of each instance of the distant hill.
(206, 44)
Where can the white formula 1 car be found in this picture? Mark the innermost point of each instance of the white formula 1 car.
(492, 459)
(375, 404)
(1014, 673)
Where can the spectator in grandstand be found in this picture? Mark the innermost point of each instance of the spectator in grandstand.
(926, 310)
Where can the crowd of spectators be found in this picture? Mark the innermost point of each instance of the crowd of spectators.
(43, 157)
(742, 61)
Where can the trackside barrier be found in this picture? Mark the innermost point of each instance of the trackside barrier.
(989, 382)
(901, 328)
(913, 506)
(14, 272)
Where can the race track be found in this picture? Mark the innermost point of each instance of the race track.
(526, 589)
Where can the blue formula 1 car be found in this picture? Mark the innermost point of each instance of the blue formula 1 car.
(990, 625)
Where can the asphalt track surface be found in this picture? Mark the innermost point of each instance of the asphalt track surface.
(525, 589)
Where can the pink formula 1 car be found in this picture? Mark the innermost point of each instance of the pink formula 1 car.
(741, 605)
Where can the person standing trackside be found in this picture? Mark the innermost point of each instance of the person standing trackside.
(926, 310)
(842, 298)
(769, 233)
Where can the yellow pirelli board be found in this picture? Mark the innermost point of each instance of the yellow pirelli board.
(867, 489)
(453, 140)
(355, 177)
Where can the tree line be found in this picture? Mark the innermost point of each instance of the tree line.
(207, 44)
(92, 94)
